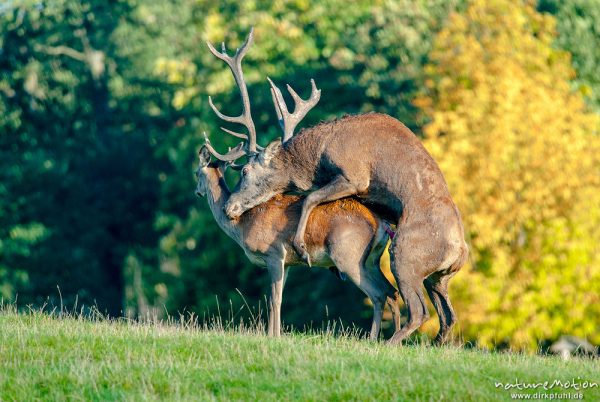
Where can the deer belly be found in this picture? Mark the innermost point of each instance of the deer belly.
(320, 257)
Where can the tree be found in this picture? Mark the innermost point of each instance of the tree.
(521, 154)
(79, 181)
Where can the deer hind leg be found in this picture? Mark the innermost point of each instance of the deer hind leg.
(278, 275)
(340, 187)
(392, 302)
(350, 263)
(384, 293)
(406, 270)
(410, 291)
(378, 304)
(377, 294)
(437, 288)
(392, 297)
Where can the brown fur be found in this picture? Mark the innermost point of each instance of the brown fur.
(379, 160)
(277, 219)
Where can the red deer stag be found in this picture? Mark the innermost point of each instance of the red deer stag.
(377, 159)
(344, 234)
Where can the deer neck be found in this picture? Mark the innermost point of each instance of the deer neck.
(300, 161)
(300, 158)
(218, 194)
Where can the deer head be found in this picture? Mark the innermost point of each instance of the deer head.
(260, 179)
(207, 168)
(204, 157)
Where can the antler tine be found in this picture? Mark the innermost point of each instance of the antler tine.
(235, 64)
(230, 156)
(240, 135)
(280, 106)
(288, 120)
(235, 134)
(276, 104)
(232, 119)
(235, 166)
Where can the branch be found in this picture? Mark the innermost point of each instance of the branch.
(62, 51)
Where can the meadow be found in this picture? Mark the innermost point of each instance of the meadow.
(46, 356)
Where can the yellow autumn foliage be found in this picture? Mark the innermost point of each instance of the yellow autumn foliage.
(521, 155)
(178, 72)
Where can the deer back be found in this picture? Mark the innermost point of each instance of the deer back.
(272, 225)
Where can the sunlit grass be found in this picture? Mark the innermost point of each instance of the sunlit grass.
(53, 357)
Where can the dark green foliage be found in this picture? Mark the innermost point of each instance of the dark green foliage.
(79, 179)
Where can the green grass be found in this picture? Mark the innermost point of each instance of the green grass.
(48, 358)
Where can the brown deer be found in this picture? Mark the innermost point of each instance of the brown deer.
(343, 234)
(373, 157)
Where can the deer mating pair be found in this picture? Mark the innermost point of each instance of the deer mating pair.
(372, 158)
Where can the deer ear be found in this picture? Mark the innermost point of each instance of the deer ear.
(204, 155)
(270, 151)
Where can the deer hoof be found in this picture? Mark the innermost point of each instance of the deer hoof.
(302, 252)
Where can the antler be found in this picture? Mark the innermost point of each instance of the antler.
(230, 156)
(245, 118)
(288, 121)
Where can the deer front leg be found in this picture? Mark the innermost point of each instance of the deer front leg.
(340, 187)
(277, 272)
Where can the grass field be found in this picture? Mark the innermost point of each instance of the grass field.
(49, 358)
